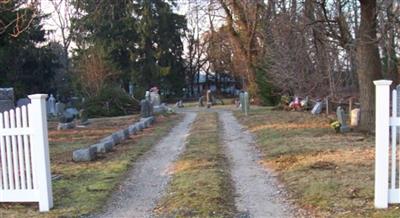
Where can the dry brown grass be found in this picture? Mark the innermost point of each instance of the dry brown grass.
(327, 173)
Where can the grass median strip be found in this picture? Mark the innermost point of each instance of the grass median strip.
(200, 185)
(83, 188)
(330, 174)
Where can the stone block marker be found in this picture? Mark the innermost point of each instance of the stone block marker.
(103, 147)
(108, 139)
(106, 144)
(132, 129)
(63, 126)
(84, 154)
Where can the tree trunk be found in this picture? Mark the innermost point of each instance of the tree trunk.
(369, 65)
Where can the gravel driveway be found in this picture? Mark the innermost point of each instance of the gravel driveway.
(147, 180)
(257, 193)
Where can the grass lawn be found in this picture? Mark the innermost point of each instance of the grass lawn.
(201, 185)
(82, 188)
(330, 174)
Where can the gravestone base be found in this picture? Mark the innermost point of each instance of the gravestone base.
(344, 129)
(63, 126)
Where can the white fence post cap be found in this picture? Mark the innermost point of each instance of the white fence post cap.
(38, 96)
(382, 82)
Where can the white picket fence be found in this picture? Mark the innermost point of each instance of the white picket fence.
(24, 155)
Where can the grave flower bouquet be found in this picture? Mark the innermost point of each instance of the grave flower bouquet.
(336, 125)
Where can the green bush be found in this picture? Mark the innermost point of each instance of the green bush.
(112, 101)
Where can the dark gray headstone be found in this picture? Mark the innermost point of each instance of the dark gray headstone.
(201, 99)
(145, 108)
(66, 117)
(342, 118)
(23, 102)
(60, 107)
(6, 99)
(72, 111)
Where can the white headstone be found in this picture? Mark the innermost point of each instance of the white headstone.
(155, 99)
(52, 105)
(317, 108)
(355, 117)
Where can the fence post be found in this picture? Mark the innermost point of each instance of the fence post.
(40, 150)
(382, 123)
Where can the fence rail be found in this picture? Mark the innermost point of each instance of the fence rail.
(24, 155)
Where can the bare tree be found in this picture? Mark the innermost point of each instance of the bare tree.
(63, 13)
(25, 12)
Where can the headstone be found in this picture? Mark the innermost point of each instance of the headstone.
(66, 117)
(52, 105)
(23, 102)
(355, 117)
(317, 108)
(84, 154)
(241, 100)
(155, 97)
(179, 104)
(83, 117)
(6, 99)
(75, 102)
(201, 99)
(244, 102)
(63, 126)
(60, 107)
(72, 111)
(341, 116)
(209, 98)
(147, 96)
(145, 108)
(131, 89)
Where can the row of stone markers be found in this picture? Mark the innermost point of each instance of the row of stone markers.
(106, 144)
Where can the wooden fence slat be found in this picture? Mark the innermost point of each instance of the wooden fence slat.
(15, 151)
(27, 149)
(394, 140)
(4, 177)
(21, 150)
(8, 151)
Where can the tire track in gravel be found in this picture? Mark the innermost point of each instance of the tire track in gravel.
(257, 193)
(146, 182)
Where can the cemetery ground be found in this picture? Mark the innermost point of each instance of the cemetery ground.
(201, 184)
(329, 174)
(82, 188)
